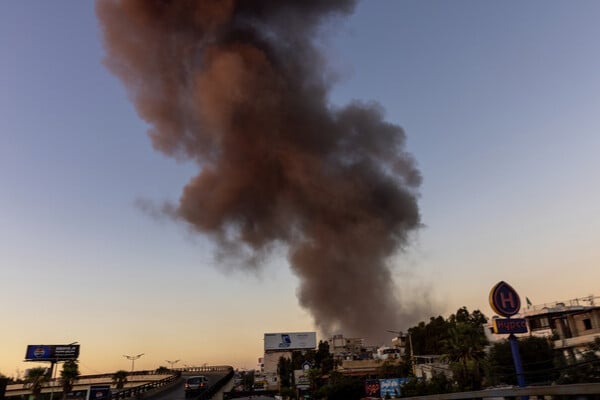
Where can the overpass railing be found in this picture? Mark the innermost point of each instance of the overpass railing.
(205, 368)
(139, 391)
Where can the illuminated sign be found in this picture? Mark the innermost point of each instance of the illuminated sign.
(372, 388)
(390, 388)
(510, 325)
(504, 300)
(55, 352)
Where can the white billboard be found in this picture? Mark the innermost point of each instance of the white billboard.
(290, 341)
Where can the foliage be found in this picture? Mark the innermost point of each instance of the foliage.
(4, 380)
(323, 358)
(428, 338)
(584, 369)
(464, 348)
(68, 375)
(391, 369)
(537, 358)
(120, 378)
(439, 383)
(35, 379)
(321, 361)
(341, 387)
(285, 372)
(162, 370)
(460, 339)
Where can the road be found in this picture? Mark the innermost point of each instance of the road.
(177, 392)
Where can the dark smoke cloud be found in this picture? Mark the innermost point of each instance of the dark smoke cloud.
(240, 87)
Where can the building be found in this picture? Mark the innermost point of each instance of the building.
(344, 348)
(572, 325)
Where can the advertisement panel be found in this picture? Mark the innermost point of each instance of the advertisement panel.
(390, 388)
(290, 341)
(99, 392)
(301, 379)
(372, 388)
(54, 352)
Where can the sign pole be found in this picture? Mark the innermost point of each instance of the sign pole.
(505, 301)
(514, 347)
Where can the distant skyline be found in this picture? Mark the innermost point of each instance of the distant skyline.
(499, 102)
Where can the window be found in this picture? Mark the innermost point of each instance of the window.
(587, 324)
(539, 323)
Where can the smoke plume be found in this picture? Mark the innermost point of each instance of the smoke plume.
(240, 87)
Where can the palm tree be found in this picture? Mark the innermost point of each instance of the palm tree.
(35, 379)
(120, 378)
(465, 346)
(68, 376)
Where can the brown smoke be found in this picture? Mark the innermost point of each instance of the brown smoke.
(240, 87)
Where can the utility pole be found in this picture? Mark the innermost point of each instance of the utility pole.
(412, 354)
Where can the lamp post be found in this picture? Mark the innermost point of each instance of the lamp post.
(133, 358)
(172, 362)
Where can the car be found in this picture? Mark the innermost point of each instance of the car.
(195, 385)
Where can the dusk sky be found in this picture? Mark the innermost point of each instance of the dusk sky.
(500, 102)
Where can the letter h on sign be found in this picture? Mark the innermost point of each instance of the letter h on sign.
(507, 300)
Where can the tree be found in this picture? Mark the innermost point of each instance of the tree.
(120, 378)
(341, 387)
(429, 338)
(537, 358)
(285, 372)
(464, 348)
(3, 382)
(68, 376)
(35, 379)
(584, 369)
(392, 369)
(323, 358)
(438, 383)
(162, 370)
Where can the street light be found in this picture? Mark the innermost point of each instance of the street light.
(172, 362)
(133, 358)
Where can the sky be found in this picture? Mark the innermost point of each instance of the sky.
(499, 102)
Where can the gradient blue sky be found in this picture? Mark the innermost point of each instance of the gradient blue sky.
(501, 105)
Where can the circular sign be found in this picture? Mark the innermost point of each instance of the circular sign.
(504, 299)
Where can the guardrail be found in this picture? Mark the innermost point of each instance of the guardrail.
(134, 391)
(579, 390)
(147, 380)
(139, 391)
(204, 368)
(211, 391)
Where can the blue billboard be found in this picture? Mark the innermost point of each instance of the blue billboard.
(52, 352)
(390, 388)
(99, 392)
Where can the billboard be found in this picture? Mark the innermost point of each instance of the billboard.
(390, 388)
(290, 341)
(99, 392)
(372, 388)
(53, 352)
